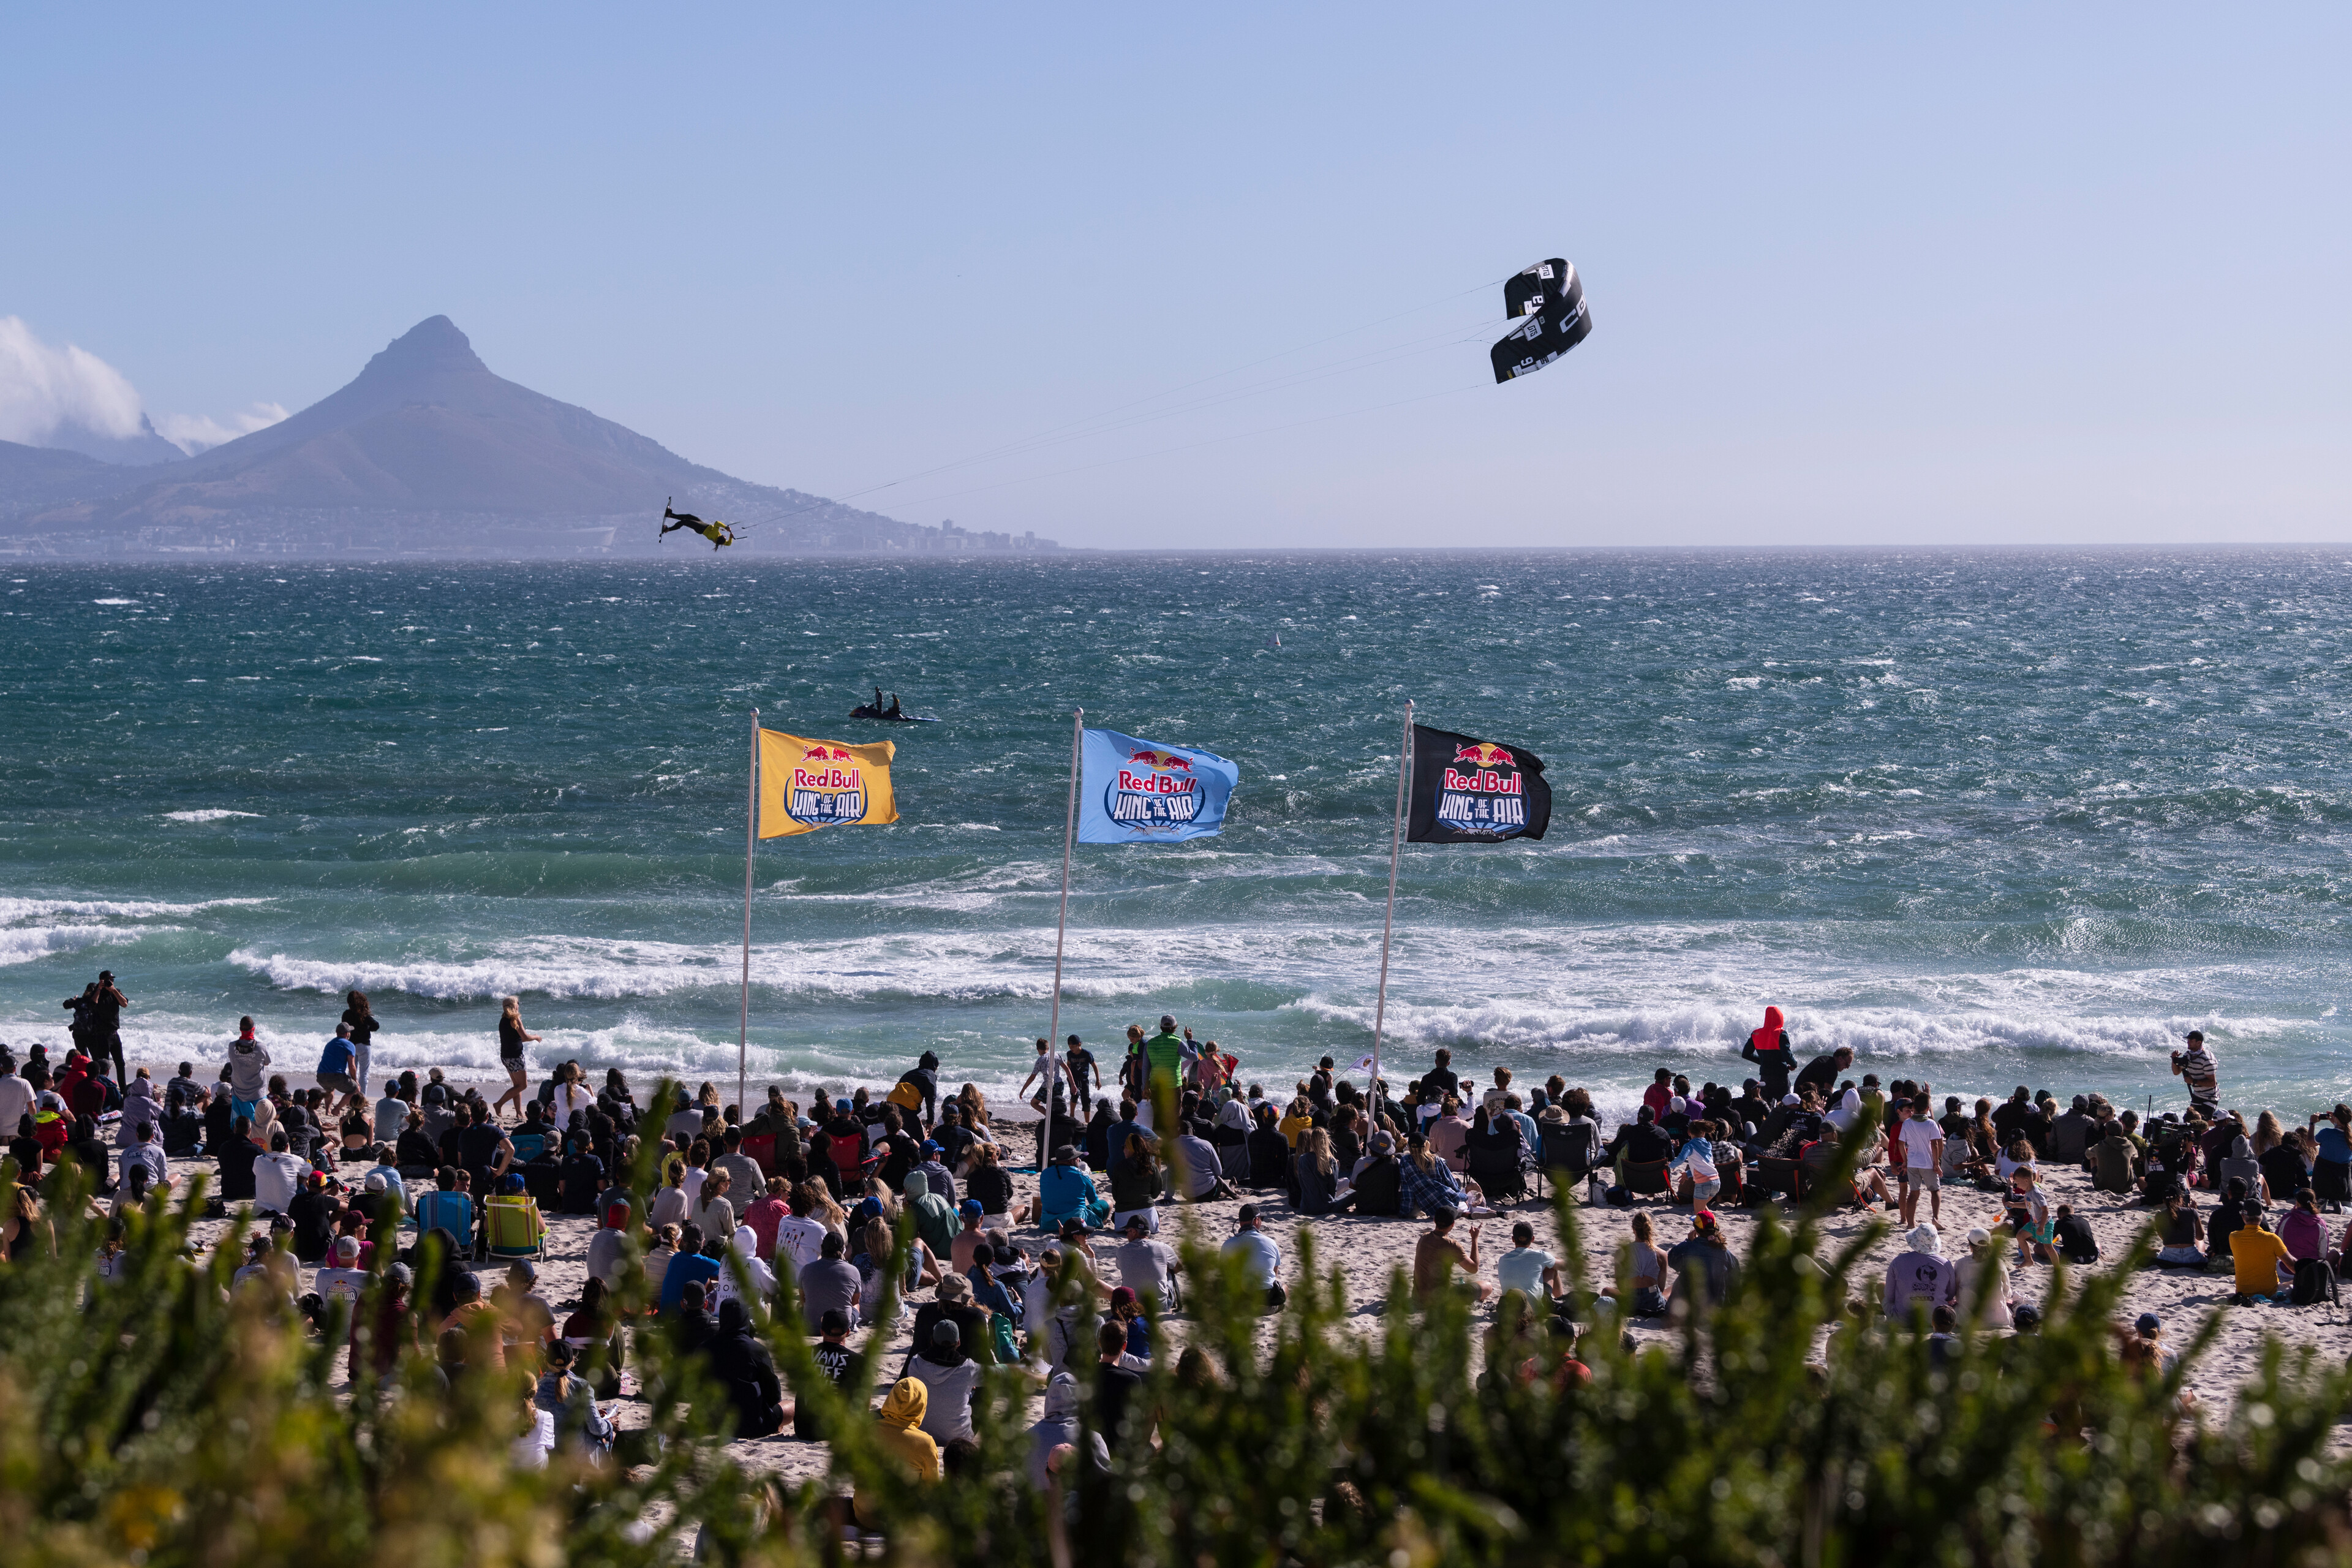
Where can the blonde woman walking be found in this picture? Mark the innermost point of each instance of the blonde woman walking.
(512, 1038)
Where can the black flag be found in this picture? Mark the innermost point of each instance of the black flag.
(1468, 790)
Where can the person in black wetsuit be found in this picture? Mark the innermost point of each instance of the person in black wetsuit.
(925, 1078)
(1775, 1060)
(892, 711)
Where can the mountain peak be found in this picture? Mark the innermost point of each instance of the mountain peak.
(432, 344)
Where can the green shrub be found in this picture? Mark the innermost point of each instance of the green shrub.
(154, 1421)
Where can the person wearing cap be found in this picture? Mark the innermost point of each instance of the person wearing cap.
(932, 1167)
(970, 1241)
(2149, 1331)
(1920, 1275)
(1702, 1261)
(1984, 1288)
(342, 1279)
(1067, 1192)
(2196, 1069)
(1260, 1257)
(1146, 1266)
(1165, 1056)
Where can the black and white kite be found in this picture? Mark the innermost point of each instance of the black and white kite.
(1550, 299)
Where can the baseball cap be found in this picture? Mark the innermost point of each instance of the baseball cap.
(1248, 1215)
(400, 1274)
(931, 1147)
(2149, 1325)
(347, 1247)
(1703, 1219)
(969, 1205)
(1135, 1222)
(834, 1322)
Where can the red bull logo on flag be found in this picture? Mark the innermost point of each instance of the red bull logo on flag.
(1137, 790)
(807, 784)
(1467, 791)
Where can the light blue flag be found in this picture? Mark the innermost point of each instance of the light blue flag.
(1140, 792)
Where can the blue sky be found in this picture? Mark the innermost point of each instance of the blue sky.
(1858, 275)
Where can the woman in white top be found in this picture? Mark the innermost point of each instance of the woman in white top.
(571, 1095)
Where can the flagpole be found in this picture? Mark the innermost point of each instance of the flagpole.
(750, 843)
(1388, 925)
(1061, 930)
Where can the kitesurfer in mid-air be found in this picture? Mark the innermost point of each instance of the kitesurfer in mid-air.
(720, 534)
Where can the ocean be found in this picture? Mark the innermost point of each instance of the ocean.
(1990, 818)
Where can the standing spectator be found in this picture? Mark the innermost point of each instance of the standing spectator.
(2196, 1069)
(1775, 1059)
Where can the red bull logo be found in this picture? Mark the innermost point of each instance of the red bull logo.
(827, 785)
(1485, 754)
(1163, 760)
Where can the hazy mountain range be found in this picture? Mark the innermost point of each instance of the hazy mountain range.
(425, 452)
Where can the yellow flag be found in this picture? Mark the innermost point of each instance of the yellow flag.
(807, 784)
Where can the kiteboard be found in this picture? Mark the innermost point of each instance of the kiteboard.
(867, 710)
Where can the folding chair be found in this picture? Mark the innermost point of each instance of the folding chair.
(1647, 1178)
(512, 1227)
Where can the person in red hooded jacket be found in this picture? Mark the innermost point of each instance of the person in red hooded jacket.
(1775, 1059)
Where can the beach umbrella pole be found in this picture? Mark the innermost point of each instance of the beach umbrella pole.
(1388, 923)
(1061, 930)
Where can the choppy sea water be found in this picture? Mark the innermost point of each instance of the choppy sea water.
(1990, 818)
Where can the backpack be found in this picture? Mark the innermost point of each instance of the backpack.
(2314, 1282)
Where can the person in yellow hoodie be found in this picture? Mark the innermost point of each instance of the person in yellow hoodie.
(903, 1440)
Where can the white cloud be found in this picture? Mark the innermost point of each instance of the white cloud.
(192, 432)
(44, 388)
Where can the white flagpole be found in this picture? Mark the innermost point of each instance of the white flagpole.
(750, 843)
(1061, 930)
(1388, 925)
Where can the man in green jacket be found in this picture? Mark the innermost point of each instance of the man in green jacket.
(1164, 1055)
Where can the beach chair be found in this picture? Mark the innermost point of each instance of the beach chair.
(761, 1150)
(1777, 1175)
(1647, 1179)
(512, 1227)
(1570, 1150)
